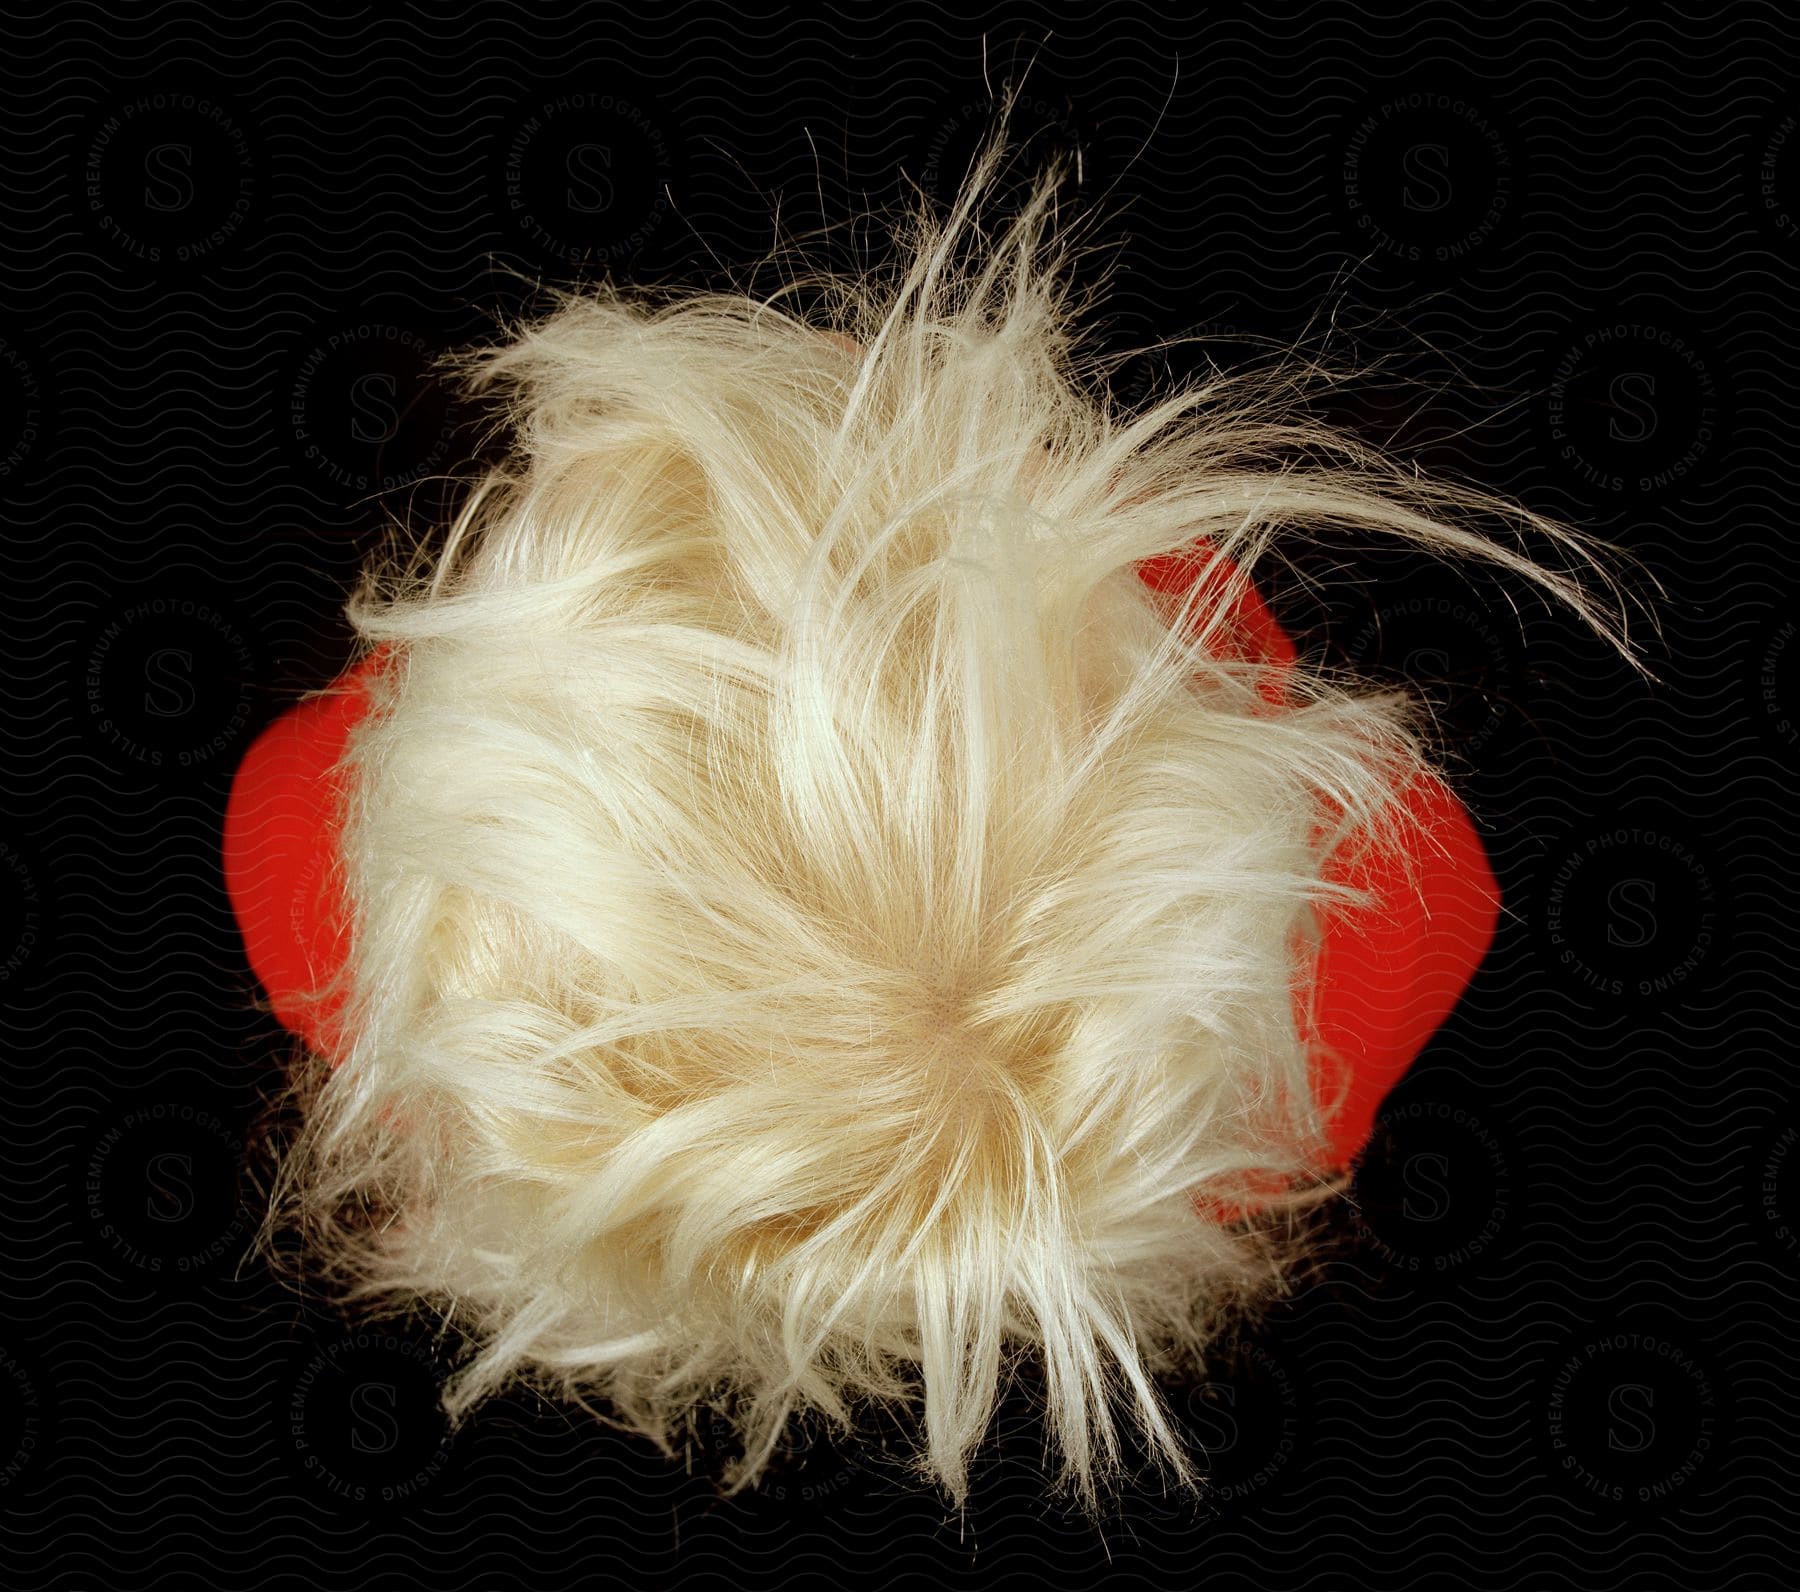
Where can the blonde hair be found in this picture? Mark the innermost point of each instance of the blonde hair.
(821, 925)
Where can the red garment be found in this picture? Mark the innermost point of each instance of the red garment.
(1389, 973)
(281, 855)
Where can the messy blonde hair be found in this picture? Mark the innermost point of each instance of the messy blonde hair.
(822, 927)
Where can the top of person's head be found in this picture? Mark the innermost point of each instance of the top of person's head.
(818, 919)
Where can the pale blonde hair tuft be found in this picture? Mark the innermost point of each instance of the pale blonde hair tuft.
(822, 925)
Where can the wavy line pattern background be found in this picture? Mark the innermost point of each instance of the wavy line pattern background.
(1550, 1338)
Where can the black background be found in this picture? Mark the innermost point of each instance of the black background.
(1548, 1339)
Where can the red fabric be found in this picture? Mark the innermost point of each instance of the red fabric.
(1389, 973)
(281, 856)
(1254, 632)
(1391, 970)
